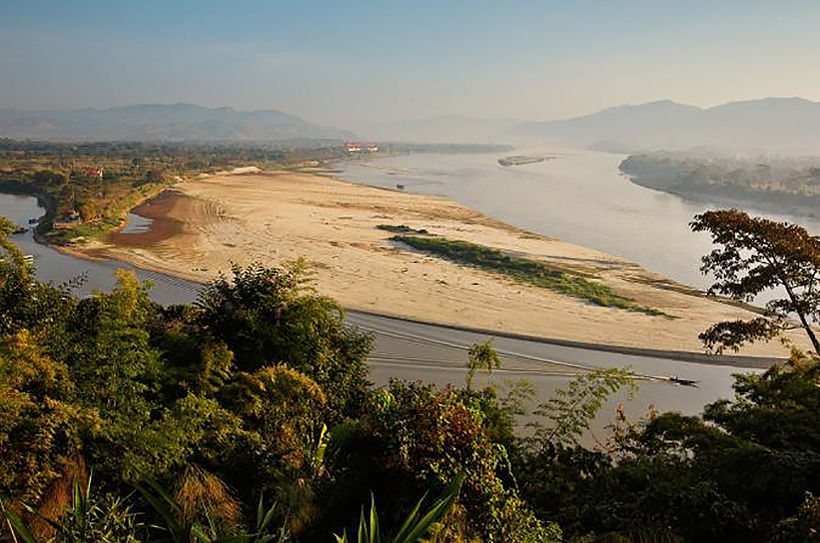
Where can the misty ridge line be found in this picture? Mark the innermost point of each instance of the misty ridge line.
(766, 126)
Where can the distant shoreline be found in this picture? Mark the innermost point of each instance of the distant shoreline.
(776, 202)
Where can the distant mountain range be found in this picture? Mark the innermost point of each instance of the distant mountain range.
(161, 122)
(768, 126)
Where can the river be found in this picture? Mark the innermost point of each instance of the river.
(580, 197)
(58, 267)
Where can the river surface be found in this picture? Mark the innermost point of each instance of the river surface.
(580, 197)
(59, 268)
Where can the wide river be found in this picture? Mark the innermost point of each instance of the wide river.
(580, 197)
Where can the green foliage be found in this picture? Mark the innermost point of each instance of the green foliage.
(756, 255)
(524, 270)
(803, 526)
(481, 356)
(272, 315)
(739, 473)
(87, 210)
(415, 526)
(401, 229)
(261, 388)
(416, 438)
(24, 303)
(7, 228)
(49, 178)
(40, 430)
(106, 519)
(17, 527)
(772, 183)
(183, 527)
(88, 518)
(568, 414)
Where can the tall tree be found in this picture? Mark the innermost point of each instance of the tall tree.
(757, 255)
(268, 316)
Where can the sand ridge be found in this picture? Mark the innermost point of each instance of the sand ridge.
(202, 226)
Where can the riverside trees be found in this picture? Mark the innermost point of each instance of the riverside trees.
(757, 255)
(259, 391)
(258, 394)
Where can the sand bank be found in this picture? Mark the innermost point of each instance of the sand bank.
(202, 226)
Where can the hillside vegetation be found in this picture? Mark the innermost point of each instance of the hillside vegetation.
(522, 269)
(248, 416)
(777, 184)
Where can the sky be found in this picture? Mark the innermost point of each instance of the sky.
(352, 63)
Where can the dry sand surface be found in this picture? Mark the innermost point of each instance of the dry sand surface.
(202, 226)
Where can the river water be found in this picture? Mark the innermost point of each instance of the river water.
(59, 268)
(580, 197)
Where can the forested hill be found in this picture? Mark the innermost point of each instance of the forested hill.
(168, 122)
(777, 184)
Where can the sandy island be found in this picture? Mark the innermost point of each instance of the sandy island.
(201, 226)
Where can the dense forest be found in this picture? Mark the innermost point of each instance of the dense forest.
(248, 416)
(773, 183)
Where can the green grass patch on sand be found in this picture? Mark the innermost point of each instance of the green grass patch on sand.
(524, 270)
(400, 229)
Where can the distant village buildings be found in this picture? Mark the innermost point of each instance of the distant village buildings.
(354, 147)
(67, 219)
(98, 173)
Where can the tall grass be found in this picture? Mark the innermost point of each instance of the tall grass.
(524, 270)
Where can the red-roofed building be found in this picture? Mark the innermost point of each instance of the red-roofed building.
(93, 173)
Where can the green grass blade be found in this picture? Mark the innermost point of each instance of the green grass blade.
(162, 505)
(17, 526)
(362, 528)
(374, 521)
(411, 518)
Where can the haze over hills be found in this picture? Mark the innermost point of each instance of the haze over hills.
(789, 126)
(769, 125)
(162, 122)
(441, 129)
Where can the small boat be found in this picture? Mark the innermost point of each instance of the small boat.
(685, 382)
(400, 186)
(521, 160)
(33, 221)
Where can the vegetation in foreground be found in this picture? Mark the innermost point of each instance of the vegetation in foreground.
(248, 417)
(524, 270)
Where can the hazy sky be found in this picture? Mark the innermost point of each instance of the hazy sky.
(349, 63)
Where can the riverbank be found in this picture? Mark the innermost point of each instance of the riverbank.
(48, 203)
(203, 226)
(785, 187)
